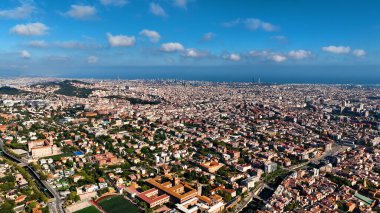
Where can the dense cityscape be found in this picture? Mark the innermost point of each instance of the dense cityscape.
(110, 146)
(189, 106)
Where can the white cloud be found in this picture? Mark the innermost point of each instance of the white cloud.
(194, 53)
(252, 24)
(22, 12)
(82, 12)
(151, 34)
(359, 52)
(120, 40)
(208, 36)
(25, 54)
(299, 54)
(268, 55)
(172, 47)
(118, 3)
(263, 53)
(157, 10)
(180, 3)
(38, 43)
(92, 60)
(256, 24)
(233, 57)
(337, 49)
(278, 58)
(32, 29)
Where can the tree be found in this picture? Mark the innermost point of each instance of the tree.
(226, 196)
(7, 186)
(223, 171)
(291, 206)
(206, 189)
(73, 196)
(30, 206)
(144, 187)
(220, 180)
(7, 207)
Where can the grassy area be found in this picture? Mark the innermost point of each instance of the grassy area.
(58, 157)
(117, 204)
(257, 186)
(90, 209)
(338, 180)
(268, 178)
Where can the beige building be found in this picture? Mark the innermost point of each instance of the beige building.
(41, 148)
(212, 166)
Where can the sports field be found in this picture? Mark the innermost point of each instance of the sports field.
(117, 204)
(90, 209)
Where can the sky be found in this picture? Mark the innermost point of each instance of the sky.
(88, 37)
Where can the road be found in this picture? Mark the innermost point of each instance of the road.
(251, 195)
(336, 149)
(57, 208)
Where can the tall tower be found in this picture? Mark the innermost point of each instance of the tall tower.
(118, 86)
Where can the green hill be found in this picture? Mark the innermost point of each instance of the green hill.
(135, 100)
(67, 88)
(10, 91)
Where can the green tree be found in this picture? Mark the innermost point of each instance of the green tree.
(7, 207)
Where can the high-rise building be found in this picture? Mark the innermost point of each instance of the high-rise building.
(270, 167)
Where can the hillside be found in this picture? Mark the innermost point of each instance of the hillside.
(67, 88)
(135, 100)
(10, 91)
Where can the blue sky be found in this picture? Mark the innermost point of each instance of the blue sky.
(53, 37)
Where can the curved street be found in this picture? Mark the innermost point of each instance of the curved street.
(57, 199)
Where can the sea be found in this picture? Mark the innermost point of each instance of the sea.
(368, 75)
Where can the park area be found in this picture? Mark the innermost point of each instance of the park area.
(90, 209)
(117, 204)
